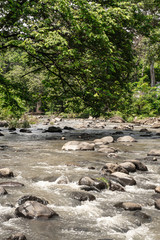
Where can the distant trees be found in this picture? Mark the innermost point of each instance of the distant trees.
(74, 54)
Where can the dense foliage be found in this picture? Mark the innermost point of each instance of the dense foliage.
(79, 56)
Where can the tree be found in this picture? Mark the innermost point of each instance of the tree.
(85, 47)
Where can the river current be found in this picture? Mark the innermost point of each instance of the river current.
(37, 160)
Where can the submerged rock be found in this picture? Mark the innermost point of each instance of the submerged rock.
(33, 209)
(77, 145)
(82, 196)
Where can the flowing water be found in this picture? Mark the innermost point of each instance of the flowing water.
(37, 161)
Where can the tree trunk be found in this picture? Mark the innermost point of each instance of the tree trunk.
(152, 74)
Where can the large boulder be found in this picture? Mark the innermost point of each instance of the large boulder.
(77, 145)
(129, 206)
(139, 165)
(126, 139)
(82, 196)
(124, 178)
(6, 172)
(33, 209)
(154, 152)
(129, 166)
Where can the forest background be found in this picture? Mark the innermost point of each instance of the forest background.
(80, 58)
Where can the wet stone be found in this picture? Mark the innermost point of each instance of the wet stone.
(33, 209)
(6, 172)
(126, 139)
(82, 196)
(157, 189)
(130, 206)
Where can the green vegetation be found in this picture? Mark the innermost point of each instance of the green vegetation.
(80, 57)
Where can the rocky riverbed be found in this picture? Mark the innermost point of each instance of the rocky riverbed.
(77, 179)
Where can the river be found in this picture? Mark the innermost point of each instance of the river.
(37, 160)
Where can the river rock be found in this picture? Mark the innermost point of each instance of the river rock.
(130, 167)
(154, 152)
(157, 204)
(77, 145)
(139, 165)
(6, 172)
(3, 124)
(116, 119)
(106, 149)
(23, 199)
(157, 189)
(17, 236)
(126, 139)
(129, 206)
(3, 191)
(105, 140)
(82, 196)
(53, 129)
(124, 178)
(116, 187)
(156, 125)
(100, 185)
(1, 134)
(62, 180)
(33, 209)
(68, 128)
(113, 167)
(143, 217)
(124, 127)
(25, 130)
